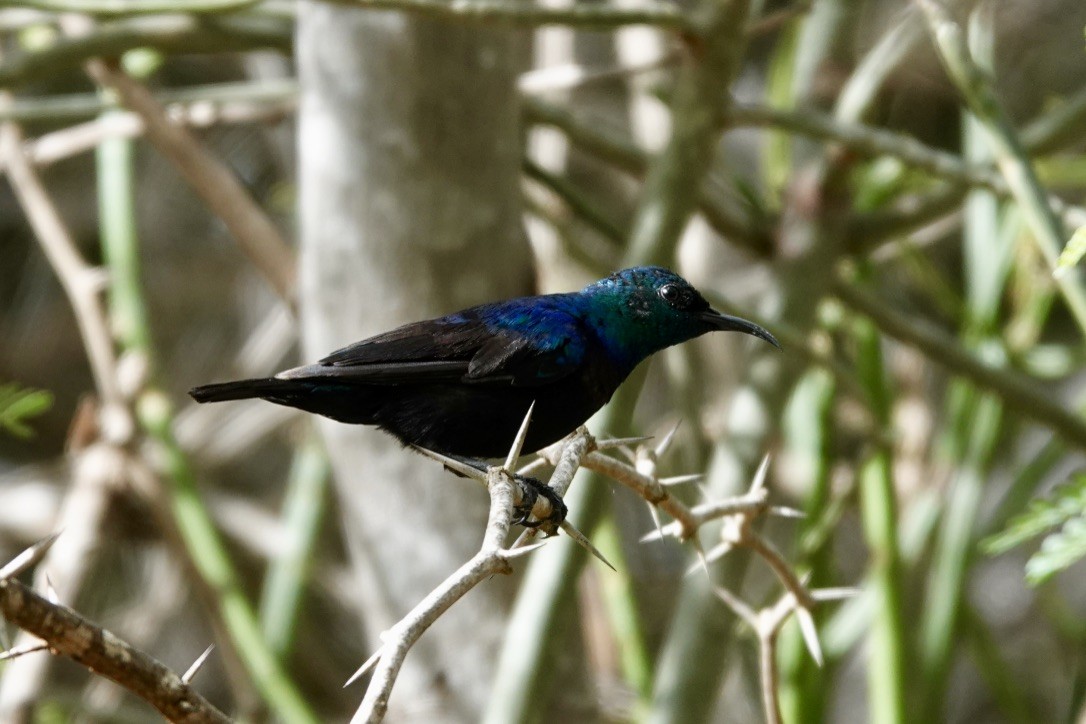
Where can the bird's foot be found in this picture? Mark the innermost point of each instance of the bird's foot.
(532, 489)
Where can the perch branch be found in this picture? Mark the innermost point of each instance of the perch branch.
(491, 559)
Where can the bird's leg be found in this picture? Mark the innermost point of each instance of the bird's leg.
(530, 489)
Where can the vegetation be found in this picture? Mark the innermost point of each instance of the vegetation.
(897, 190)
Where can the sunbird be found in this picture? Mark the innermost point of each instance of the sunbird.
(460, 385)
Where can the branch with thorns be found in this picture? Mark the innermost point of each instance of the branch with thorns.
(513, 494)
(64, 632)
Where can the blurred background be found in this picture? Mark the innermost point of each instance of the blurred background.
(885, 185)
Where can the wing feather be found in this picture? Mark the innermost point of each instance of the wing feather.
(531, 347)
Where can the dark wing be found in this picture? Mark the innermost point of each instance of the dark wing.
(478, 347)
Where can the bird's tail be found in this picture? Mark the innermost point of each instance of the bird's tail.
(242, 389)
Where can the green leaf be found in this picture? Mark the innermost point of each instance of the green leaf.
(18, 405)
(1066, 503)
(1058, 551)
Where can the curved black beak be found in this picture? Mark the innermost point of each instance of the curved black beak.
(727, 323)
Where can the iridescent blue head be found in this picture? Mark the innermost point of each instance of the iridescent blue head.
(639, 311)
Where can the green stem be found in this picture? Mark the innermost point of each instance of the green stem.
(1010, 155)
(988, 655)
(132, 7)
(288, 572)
(622, 613)
(809, 433)
(190, 517)
(878, 509)
(167, 34)
(592, 16)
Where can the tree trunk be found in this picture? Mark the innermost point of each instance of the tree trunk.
(410, 208)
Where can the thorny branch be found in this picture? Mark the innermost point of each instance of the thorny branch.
(567, 456)
(66, 633)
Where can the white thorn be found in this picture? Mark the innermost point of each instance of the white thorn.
(532, 466)
(705, 558)
(718, 551)
(782, 511)
(518, 442)
(621, 442)
(810, 633)
(701, 557)
(50, 590)
(28, 558)
(760, 476)
(822, 595)
(680, 479)
(736, 604)
(668, 439)
(517, 552)
(584, 542)
(192, 670)
(364, 668)
(660, 533)
(655, 515)
(524, 535)
(22, 651)
(453, 464)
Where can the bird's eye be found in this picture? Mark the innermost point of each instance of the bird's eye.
(672, 294)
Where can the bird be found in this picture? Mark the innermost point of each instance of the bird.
(460, 385)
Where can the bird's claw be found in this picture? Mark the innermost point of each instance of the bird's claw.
(532, 489)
